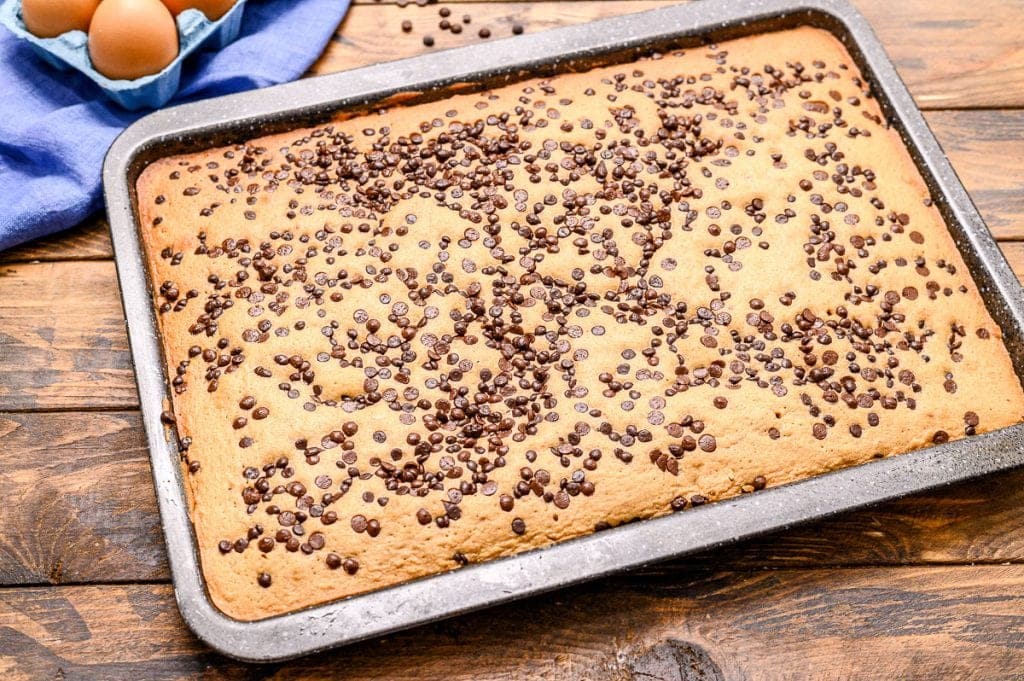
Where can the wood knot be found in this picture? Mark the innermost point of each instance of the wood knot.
(675, 660)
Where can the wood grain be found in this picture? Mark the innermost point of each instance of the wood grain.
(954, 54)
(86, 510)
(87, 241)
(951, 54)
(87, 513)
(986, 149)
(876, 623)
(869, 594)
(372, 33)
(1014, 253)
(62, 338)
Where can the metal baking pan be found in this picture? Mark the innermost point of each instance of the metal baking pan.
(238, 117)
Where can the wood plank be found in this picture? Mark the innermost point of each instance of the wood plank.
(951, 54)
(986, 149)
(86, 513)
(372, 33)
(86, 510)
(868, 623)
(1014, 252)
(954, 54)
(674, 622)
(87, 241)
(62, 337)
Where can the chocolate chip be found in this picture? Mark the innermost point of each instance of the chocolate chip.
(264, 580)
(530, 186)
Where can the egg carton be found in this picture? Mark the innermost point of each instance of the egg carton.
(71, 51)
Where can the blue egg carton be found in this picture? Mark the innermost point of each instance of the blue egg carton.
(70, 51)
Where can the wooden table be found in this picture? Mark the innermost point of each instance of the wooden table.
(931, 586)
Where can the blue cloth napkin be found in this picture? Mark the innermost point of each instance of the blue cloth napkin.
(55, 127)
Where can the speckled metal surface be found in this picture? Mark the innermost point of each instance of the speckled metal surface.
(238, 117)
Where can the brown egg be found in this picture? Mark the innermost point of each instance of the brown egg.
(129, 39)
(213, 9)
(50, 18)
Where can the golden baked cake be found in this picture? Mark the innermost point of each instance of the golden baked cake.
(437, 334)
